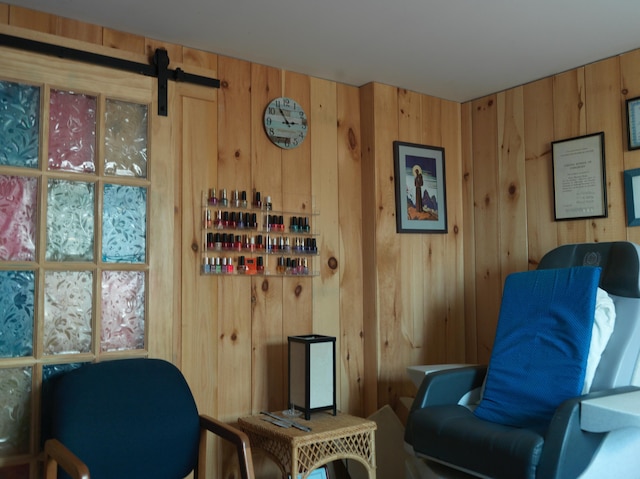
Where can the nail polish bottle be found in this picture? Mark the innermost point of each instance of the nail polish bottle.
(259, 242)
(217, 269)
(225, 219)
(305, 267)
(213, 200)
(258, 200)
(267, 203)
(235, 199)
(280, 268)
(223, 198)
(237, 244)
(230, 266)
(254, 221)
(217, 222)
(243, 199)
(210, 241)
(260, 265)
(206, 268)
(207, 218)
(217, 242)
(252, 243)
(294, 225)
(306, 228)
(242, 269)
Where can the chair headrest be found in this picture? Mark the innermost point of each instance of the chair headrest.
(620, 262)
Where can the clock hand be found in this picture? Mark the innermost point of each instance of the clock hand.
(285, 117)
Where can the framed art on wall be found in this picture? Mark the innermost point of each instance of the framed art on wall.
(419, 188)
(579, 179)
(633, 123)
(632, 196)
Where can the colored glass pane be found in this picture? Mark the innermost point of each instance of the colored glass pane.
(67, 311)
(15, 413)
(70, 221)
(122, 310)
(16, 313)
(124, 224)
(18, 211)
(72, 131)
(125, 140)
(19, 124)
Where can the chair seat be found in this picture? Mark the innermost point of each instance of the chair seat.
(453, 435)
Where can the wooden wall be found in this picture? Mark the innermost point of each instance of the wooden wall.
(510, 166)
(390, 299)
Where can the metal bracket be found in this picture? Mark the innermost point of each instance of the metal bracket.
(159, 69)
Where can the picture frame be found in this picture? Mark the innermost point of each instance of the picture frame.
(419, 172)
(632, 196)
(579, 177)
(633, 123)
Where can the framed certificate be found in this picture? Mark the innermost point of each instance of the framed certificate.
(633, 123)
(579, 180)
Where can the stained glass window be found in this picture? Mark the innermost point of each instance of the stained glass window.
(70, 221)
(19, 124)
(63, 231)
(122, 310)
(72, 131)
(18, 209)
(124, 224)
(17, 290)
(67, 311)
(125, 139)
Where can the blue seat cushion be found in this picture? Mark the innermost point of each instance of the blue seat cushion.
(541, 345)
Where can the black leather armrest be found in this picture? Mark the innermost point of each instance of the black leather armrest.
(448, 386)
(558, 459)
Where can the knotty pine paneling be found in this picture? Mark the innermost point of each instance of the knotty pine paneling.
(542, 234)
(350, 260)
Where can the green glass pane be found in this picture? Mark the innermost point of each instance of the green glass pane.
(15, 411)
(17, 292)
(125, 141)
(70, 221)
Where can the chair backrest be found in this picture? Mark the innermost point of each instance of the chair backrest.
(620, 263)
(126, 418)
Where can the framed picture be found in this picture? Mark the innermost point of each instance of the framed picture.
(421, 205)
(632, 196)
(633, 123)
(579, 180)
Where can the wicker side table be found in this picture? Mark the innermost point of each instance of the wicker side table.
(332, 437)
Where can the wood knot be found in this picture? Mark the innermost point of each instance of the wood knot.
(195, 247)
(265, 286)
(455, 229)
(298, 290)
(332, 263)
(234, 336)
(224, 84)
(625, 91)
(512, 189)
(353, 141)
(237, 154)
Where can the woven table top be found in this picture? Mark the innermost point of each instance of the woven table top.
(324, 426)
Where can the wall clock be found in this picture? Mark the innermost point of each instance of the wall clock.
(285, 122)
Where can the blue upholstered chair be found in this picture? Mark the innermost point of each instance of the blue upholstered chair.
(129, 418)
(532, 418)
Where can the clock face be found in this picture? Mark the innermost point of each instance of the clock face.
(285, 122)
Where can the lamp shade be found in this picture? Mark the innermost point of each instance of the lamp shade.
(312, 373)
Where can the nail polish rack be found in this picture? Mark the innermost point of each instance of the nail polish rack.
(242, 237)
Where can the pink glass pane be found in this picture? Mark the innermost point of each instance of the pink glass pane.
(72, 132)
(125, 140)
(15, 410)
(67, 311)
(122, 310)
(18, 218)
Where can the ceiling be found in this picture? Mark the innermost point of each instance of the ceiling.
(452, 49)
